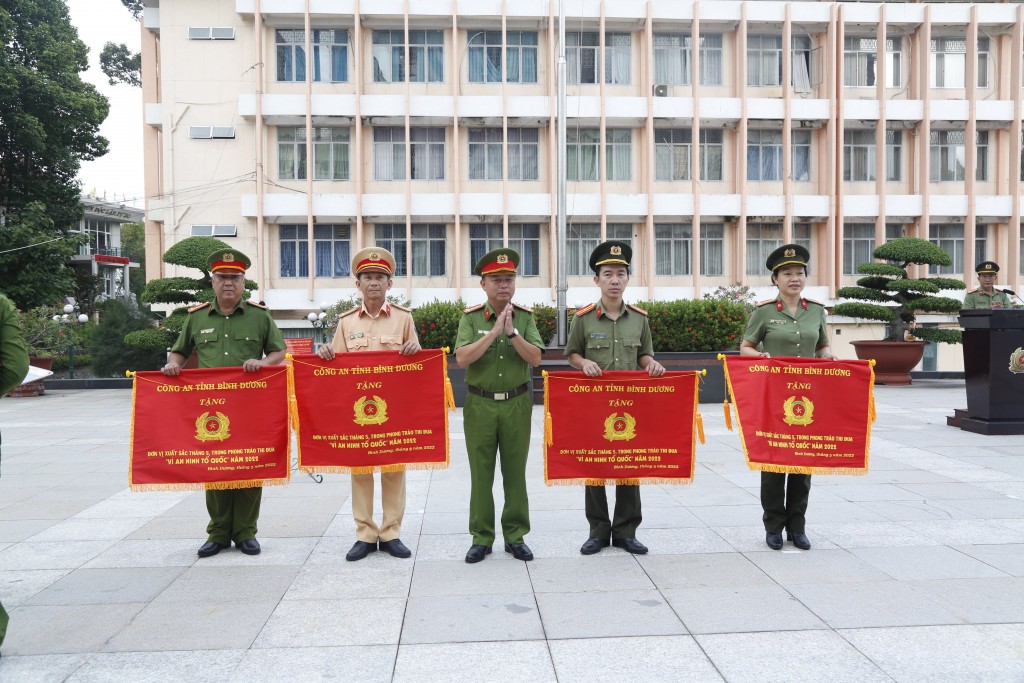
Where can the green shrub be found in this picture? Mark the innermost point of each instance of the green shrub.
(437, 323)
(61, 362)
(109, 349)
(702, 325)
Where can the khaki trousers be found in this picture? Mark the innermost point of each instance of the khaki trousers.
(392, 494)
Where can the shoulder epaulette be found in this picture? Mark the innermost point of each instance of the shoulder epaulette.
(580, 312)
(199, 307)
(813, 301)
(765, 302)
(637, 309)
(354, 309)
(974, 291)
(257, 304)
(401, 308)
(474, 308)
(522, 308)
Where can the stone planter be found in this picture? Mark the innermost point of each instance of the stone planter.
(33, 388)
(893, 359)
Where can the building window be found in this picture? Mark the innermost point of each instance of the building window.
(332, 250)
(893, 155)
(801, 155)
(426, 56)
(762, 240)
(617, 54)
(712, 248)
(673, 63)
(949, 62)
(523, 237)
(672, 149)
(211, 132)
(214, 230)
(764, 61)
(618, 156)
(859, 62)
(582, 238)
(211, 32)
(485, 57)
(100, 238)
(330, 153)
(948, 156)
(858, 244)
(426, 147)
(711, 154)
(672, 248)
(764, 155)
(428, 247)
(581, 153)
(523, 154)
(330, 54)
(581, 57)
(485, 154)
(950, 238)
(859, 155)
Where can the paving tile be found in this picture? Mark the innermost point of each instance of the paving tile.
(978, 601)
(168, 527)
(456, 577)
(107, 586)
(159, 553)
(750, 539)
(89, 529)
(872, 535)
(712, 569)
(202, 666)
(39, 668)
(727, 515)
(207, 583)
(378, 576)
(1007, 558)
(990, 508)
(56, 555)
(631, 660)
(962, 531)
(791, 656)
(873, 491)
(194, 626)
(454, 619)
(363, 663)
(17, 586)
(332, 623)
(944, 654)
(612, 613)
(726, 609)
(54, 629)
(878, 603)
(17, 530)
(816, 566)
(952, 491)
(602, 572)
(275, 551)
(294, 526)
(929, 562)
(513, 661)
(680, 541)
(915, 510)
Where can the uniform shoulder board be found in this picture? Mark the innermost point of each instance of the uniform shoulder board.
(580, 312)
(401, 308)
(637, 309)
(974, 291)
(257, 304)
(354, 309)
(523, 308)
(474, 308)
(199, 307)
(765, 302)
(813, 301)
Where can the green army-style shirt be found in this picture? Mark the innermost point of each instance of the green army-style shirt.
(500, 368)
(782, 334)
(228, 340)
(613, 344)
(979, 299)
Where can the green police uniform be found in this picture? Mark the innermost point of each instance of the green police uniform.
(495, 425)
(979, 299)
(780, 333)
(614, 345)
(13, 366)
(228, 339)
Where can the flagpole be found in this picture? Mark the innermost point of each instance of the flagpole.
(561, 287)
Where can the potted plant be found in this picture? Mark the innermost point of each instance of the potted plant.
(889, 295)
(45, 338)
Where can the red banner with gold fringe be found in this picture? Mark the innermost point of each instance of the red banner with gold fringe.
(624, 427)
(803, 415)
(372, 411)
(212, 428)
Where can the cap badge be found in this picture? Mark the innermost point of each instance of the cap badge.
(790, 253)
(374, 256)
(228, 257)
(502, 258)
(616, 250)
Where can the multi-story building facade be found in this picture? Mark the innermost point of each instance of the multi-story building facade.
(102, 254)
(302, 130)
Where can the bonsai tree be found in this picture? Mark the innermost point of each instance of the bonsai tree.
(898, 297)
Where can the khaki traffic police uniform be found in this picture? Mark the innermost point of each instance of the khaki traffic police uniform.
(388, 331)
(228, 339)
(614, 345)
(781, 333)
(13, 368)
(498, 426)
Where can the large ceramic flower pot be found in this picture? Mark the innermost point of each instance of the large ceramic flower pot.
(893, 359)
(33, 388)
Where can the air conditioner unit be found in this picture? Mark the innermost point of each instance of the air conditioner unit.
(661, 90)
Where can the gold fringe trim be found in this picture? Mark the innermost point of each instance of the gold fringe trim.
(449, 397)
(792, 469)
(549, 429)
(131, 436)
(640, 481)
(401, 467)
(210, 486)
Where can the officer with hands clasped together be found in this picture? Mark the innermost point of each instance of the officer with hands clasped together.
(986, 295)
(612, 335)
(788, 325)
(229, 332)
(498, 344)
(376, 325)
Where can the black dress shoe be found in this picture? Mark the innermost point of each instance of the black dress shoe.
(800, 540)
(210, 548)
(249, 546)
(593, 545)
(774, 541)
(520, 551)
(630, 545)
(395, 548)
(360, 550)
(477, 552)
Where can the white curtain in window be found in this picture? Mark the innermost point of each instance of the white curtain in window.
(711, 59)
(617, 156)
(671, 61)
(617, 58)
(801, 78)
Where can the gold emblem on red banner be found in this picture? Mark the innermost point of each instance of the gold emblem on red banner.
(1017, 361)
(212, 428)
(798, 412)
(370, 411)
(618, 428)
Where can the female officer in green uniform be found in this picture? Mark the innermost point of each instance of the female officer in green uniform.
(788, 325)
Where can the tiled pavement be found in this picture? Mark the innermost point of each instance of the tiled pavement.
(916, 573)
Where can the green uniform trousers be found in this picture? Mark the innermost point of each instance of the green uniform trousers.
(785, 502)
(627, 512)
(233, 514)
(492, 427)
(3, 623)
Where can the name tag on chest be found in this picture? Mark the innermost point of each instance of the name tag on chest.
(598, 335)
(778, 322)
(356, 335)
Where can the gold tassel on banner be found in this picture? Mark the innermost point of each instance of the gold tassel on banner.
(548, 428)
(449, 391)
(700, 427)
(728, 414)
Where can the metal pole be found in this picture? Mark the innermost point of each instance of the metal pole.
(562, 286)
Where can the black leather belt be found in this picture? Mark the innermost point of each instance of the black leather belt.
(499, 395)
